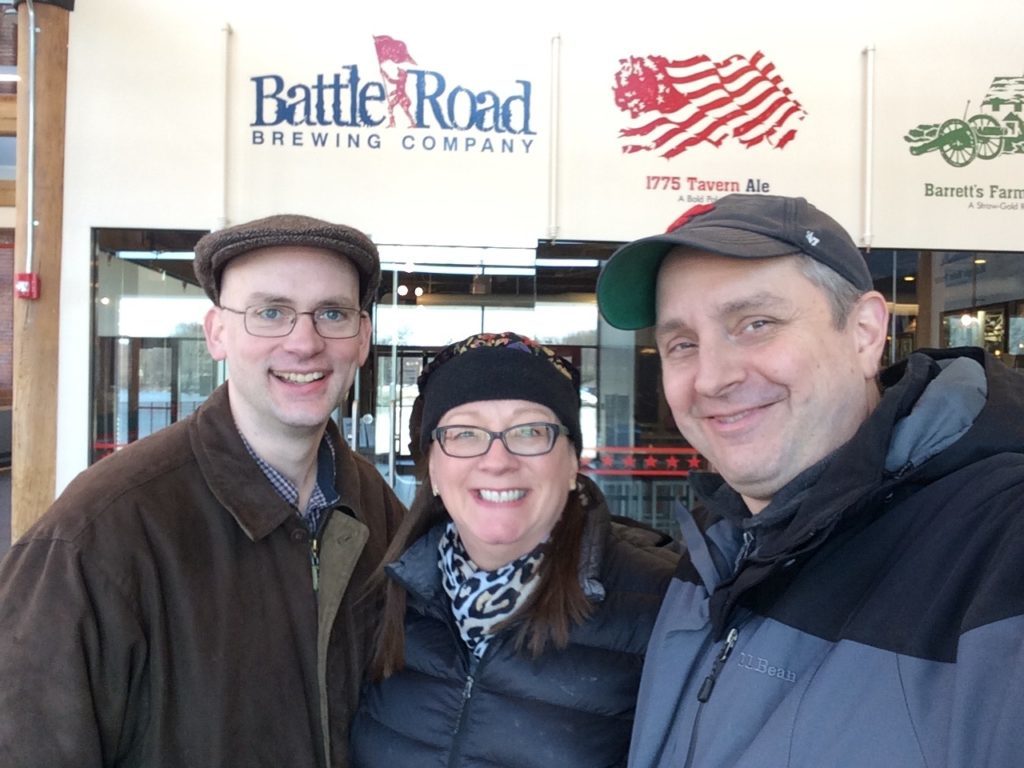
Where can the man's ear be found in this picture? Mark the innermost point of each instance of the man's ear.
(365, 336)
(213, 328)
(869, 322)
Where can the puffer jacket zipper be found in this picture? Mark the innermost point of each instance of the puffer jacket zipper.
(472, 675)
(707, 688)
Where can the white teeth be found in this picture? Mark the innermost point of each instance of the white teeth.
(299, 378)
(732, 419)
(501, 497)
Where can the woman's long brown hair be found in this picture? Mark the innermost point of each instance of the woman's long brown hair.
(546, 617)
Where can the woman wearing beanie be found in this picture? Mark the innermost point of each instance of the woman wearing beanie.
(517, 612)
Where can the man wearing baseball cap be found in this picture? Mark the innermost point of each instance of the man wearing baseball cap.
(198, 598)
(853, 593)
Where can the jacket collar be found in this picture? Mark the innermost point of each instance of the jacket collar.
(236, 480)
(813, 502)
(846, 485)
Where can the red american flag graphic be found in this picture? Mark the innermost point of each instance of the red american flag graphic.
(390, 49)
(677, 104)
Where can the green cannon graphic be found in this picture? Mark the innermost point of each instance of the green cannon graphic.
(997, 128)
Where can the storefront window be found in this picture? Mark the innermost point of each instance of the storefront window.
(431, 297)
(151, 366)
(978, 297)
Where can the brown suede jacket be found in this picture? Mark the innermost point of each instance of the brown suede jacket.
(162, 612)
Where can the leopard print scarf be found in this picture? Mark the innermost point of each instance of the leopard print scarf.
(480, 599)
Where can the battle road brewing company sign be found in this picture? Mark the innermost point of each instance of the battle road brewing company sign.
(396, 102)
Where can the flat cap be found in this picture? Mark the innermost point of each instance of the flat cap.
(215, 250)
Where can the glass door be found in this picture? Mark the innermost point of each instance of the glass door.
(429, 298)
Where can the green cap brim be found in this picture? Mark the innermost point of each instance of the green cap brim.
(627, 286)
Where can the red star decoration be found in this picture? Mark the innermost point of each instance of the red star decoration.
(650, 463)
(607, 460)
(629, 461)
(672, 462)
(694, 462)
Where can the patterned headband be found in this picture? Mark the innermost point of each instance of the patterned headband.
(505, 339)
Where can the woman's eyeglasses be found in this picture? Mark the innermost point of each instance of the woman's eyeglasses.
(465, 442)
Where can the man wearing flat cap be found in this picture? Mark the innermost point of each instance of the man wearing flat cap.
(853, 591)
(197, 599)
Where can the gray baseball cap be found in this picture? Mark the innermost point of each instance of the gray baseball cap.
(740, 225)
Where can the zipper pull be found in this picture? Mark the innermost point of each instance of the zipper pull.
(467, 691)
(314, 561)
(748, 545)
(709, 682)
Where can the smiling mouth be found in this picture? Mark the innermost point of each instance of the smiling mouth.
(298, 378)
(733, 417)
(501, 497)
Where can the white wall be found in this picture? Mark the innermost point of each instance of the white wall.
(161, 100)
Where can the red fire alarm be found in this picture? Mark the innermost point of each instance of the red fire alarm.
(26, 285)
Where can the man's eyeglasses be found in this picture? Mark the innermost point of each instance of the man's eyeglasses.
(533, 439)
(274, 320)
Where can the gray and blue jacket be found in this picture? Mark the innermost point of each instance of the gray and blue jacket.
(873, 613)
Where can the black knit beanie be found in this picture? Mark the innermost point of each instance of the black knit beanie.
(496, 366)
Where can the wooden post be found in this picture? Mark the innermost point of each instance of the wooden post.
(929, 325)
(37, 321)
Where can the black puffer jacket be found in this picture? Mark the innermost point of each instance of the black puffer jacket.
(570, 708)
